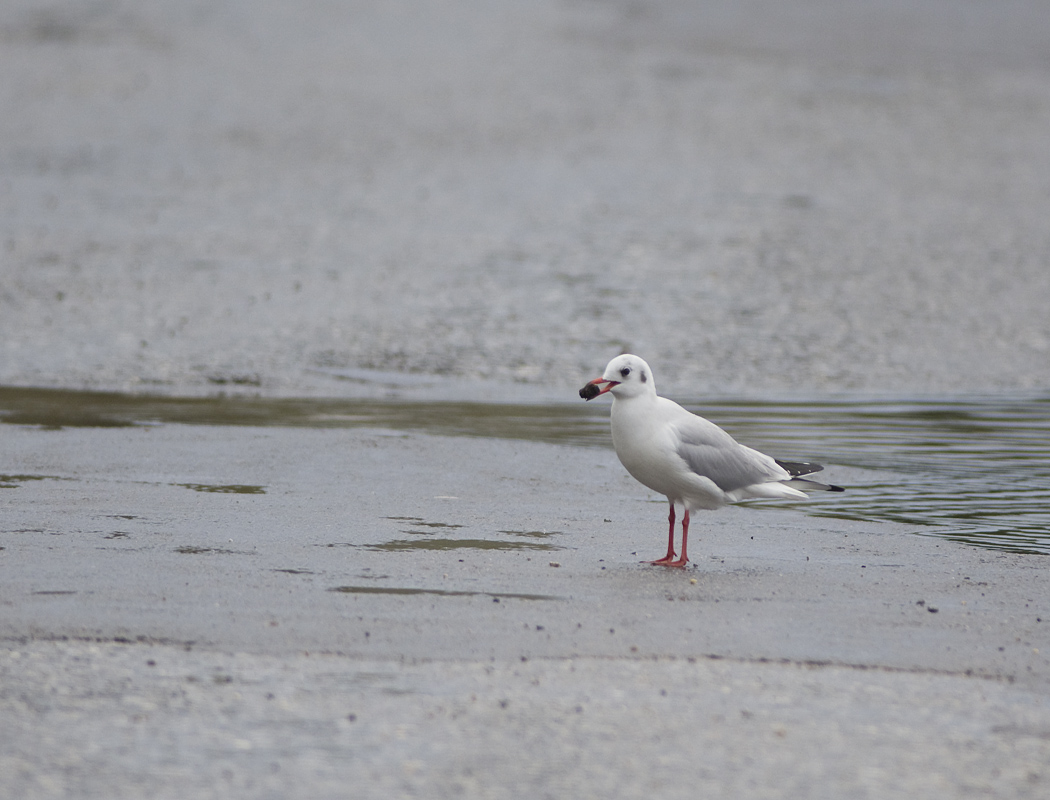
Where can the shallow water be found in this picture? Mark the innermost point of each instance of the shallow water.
(974, 470)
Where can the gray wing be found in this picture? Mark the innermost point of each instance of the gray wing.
(713, 453)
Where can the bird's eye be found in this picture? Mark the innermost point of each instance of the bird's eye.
(625, 372)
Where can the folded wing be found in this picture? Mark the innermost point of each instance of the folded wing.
(710, 451)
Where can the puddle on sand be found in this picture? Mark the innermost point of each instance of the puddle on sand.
(435, 527)
(456, 544)
(419, 521)
(975, 471)
(56, 408)
(972, 469)
(233, 488)
(432, 543)
(14, 481)
(191, 550)
(533, 534)
(439, 592)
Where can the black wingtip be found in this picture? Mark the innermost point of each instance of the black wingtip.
(797, 468)
(835, 488)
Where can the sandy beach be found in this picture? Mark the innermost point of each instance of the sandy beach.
(483, 202)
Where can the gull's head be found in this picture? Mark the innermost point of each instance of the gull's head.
(625, 376)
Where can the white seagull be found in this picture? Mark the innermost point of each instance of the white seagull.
(690, 460)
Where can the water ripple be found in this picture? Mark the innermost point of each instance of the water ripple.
(975, 470)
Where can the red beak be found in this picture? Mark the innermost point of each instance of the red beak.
(591, 390)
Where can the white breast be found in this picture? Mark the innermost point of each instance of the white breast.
(643, 433)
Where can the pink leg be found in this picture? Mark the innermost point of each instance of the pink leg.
(670, 539)
(685, 538)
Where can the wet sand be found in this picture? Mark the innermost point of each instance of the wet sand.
(839, 196)
(489, 201)
(250, 611)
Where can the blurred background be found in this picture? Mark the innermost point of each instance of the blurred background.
(757, 197)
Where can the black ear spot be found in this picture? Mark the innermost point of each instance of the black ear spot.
(643, 376)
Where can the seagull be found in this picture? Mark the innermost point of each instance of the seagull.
(687, 458)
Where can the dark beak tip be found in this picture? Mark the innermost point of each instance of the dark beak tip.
(590, 391)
